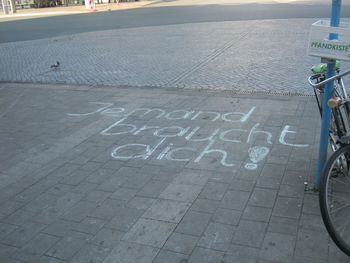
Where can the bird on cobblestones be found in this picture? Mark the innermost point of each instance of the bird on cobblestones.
(55, 66)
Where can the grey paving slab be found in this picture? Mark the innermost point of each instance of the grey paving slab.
(227, 216)
(59, 207)
(10, 260)
(75, 178)
(36, 248)
(36, 189)
(69, 245)
(131, 253)
(283, 225)
(90, 225)
(293, 177)
(99, 176)
(311, 204)
(287, 207)
(167, 210)
(278, 247)
(235, 199)
(64, 170)
(60, 227)
(193, 223)
(222, 177)
(141, 203)
(308, 260)
(149, 232)
(108, 209)
(124, 218)
(42, 202)
(136, 182)
(181, 243)
(205, 205)
(237, 253)
(263, 197)
(273, 170)
(206, 255)
(181, 192)
(96, 196)
(107, 237)
(336, 254)
(79, 211)
(250, 233)
(215, 191)
(5, 229)
(125, 194)
(171, 257)
(241, 185)
(306, 247)
(257, 213)
(23, 234)
(192, 177)
(153, 188)
(299, 166)
(6, 251)
(60, 189)
(296, 191)
(9, 206)
(91, 253)
(217, 236)
(312, 222)
(269, 182)
(84, 187)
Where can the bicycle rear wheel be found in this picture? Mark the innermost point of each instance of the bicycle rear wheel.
(334, 196)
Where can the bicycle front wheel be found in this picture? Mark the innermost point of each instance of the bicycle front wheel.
(334, 196)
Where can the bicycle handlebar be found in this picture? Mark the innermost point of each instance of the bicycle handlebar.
(316, 85)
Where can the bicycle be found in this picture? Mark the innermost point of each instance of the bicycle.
(338, 126)
(334, 189)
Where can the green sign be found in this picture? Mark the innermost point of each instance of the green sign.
(328, 46)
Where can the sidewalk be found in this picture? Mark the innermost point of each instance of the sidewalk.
(96, 174)
(186, 143)
(70, 10)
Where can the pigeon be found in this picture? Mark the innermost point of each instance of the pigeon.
(55, 66)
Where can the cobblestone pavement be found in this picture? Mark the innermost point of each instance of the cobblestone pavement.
(246, 56)
(157, 175)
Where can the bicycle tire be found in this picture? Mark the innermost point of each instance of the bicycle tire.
(336, 167)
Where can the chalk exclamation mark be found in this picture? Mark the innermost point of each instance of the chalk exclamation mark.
(256, 154)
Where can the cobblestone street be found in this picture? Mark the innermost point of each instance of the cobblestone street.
(249, 56)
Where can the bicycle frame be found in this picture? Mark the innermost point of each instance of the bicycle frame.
(340, 126)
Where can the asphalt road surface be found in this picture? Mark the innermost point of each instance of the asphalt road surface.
(154, 16)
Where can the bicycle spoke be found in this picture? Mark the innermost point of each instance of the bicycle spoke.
(339, 208)
(342, 228)
(340, 198)
(337, 180)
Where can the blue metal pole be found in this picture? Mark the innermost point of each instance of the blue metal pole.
(326, 112)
